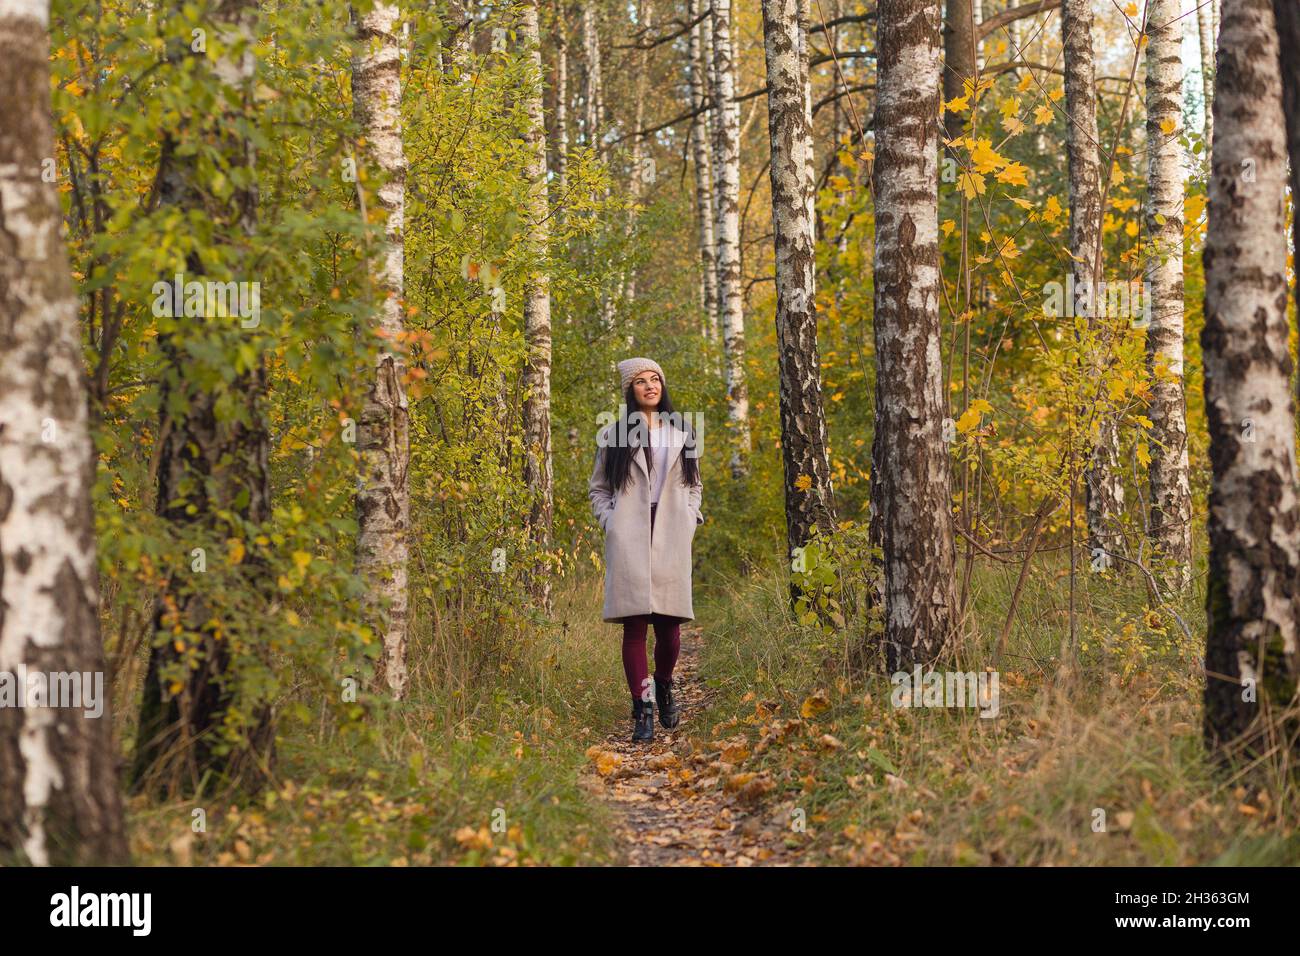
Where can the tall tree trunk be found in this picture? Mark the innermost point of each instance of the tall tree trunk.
(459, 18)
(1205, 31)
(537, 312)
(726, 184)
(593, 94)
(59, 791)
(212, 462)
(1253, 597)
(642, 174)
(701, 136)
(1171, 496)
(560, 117)
(911, 484)
(594, 122)
(958, 59)
(384, 499)
(1103, 490)
(1287, 14)
(809, 499)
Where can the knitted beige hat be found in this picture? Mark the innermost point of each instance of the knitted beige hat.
(629, 369)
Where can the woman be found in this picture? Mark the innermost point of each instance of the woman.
(645, 492)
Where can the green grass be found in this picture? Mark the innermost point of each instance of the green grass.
(479, 766)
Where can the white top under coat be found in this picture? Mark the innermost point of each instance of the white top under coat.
(662, 442)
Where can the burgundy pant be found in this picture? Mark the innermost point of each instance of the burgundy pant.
(668, 644)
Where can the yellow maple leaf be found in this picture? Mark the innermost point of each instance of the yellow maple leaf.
(1131, 10)
(803, 482)
(971, 185)
(1056, 94)
(1051, 209)
(959, 104)
(1014, 125)
(235, 554)
(1010, 106)
(947, 226)
(1167, 126)
(1043, 115)
(1013, 175)
(985, 158)
(1025, 83)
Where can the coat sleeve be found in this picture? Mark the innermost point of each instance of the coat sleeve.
(697, 490)
(599, 491)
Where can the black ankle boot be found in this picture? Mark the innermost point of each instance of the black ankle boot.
(669, 713)
(643, 716)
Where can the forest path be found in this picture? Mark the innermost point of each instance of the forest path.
(677, 805)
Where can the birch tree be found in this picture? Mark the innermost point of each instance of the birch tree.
(1205, 33)
(560, 116)
(1287, 15)
(697, 72)
(1171, 497)
(213, 441)
(537, 308)
(726, 185)
(1253, 597)
(59, 797)
(383, 499)
(809, 498)
(911, 481)
(1103, 490)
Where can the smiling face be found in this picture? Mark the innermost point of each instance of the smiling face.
(648, 389)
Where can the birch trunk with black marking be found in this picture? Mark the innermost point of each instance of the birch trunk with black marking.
(809, 498)
(643, 174)
(1287, 14)
(537, 312)
(1103, 489)
(1171, 496)
(212, 459)
(726, 185)
(60, 802)
(1253, 596)
(592, 92)
(1205, 32)
(383, 500)
(697, 72)
(911, 479)
(560, 116)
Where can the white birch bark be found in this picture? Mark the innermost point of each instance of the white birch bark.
(1253, 598)
(803, 420)
(726, 184)
(537, 311)
(1205, 31)
(1171, 496)
(560, 118)
(1103, 489)
(59, 797)
(911, 482)
(701, 136)
(383, 499)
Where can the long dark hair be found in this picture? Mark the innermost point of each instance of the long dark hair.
(618, 455)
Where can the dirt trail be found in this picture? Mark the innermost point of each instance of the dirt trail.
(678, 805)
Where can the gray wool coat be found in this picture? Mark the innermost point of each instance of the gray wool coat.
(644, 573)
